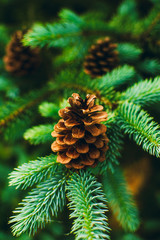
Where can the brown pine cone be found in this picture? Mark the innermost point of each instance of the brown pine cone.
(102, 58)
(20, 60)
(80, 137)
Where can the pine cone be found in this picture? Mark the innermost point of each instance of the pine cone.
(80, 138)
(20, 60)
(102, 58)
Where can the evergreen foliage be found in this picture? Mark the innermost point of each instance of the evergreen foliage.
(33, 172)
(88, 206)
(14, 113)
(115, 146)
(53, 35)
(47, 109)
(39, 134)
(123, 92)
(118, 77)
(150, 66)
(120, 200)
(138, 124)
(144, 93)
(128, 52)
(43, 202)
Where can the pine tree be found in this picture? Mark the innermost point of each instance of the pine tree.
(129, 94)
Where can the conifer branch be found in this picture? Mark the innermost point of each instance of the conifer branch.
(21, 123)
(151, 26)
(141, 26)
(52, 35)
(144, 93)
(43, 202)
(140, 126)
(128, 53)
(149, 66)
(76, 82)
(21, 106)
(102, 87)
(33, 172)
(115, 145)
(89, 91)
(120, 200)
(39, 134)
(119, 76)
(88, 205)
(72, 29)
(69, 16)
(48, 109)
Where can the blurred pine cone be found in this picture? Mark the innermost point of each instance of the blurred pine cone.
(20, 60)
(80, 138)
(102, 58)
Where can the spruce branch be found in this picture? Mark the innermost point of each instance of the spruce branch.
(21, 123)
(144, 93)
(140, 126)
(69, 16)
(120, 200)
(125, 9)
(39, 134)
(88, 206)
(12, 111)
(52, 35)
(70, 29)
(102, 87)
(48, 109)
(43, 202)
(141, 27)
(76, 82)
(72, 53)
(89, 91)
(128, 9)
(151, 26)
(149, 67)
(115, 145)
(128, 53)
(33, 172)
(119, 76)
(134, 30)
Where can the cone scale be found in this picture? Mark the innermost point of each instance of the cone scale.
(102, 58)
(80, 137)
(20, 60)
